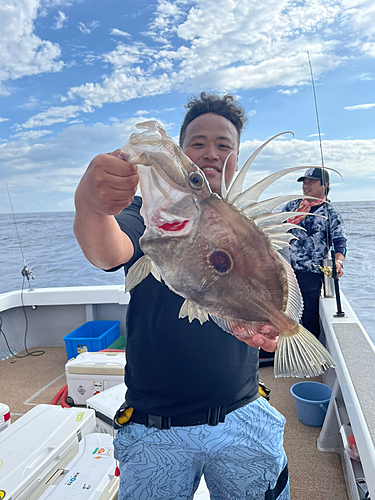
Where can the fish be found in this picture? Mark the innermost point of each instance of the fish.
(221, 253)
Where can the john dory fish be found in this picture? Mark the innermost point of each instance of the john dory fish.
(220, 253)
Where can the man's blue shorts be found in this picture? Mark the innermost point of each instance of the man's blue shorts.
(241, 458)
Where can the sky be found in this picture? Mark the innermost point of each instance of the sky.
(76, 76)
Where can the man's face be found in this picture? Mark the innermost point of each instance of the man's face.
(208, 141)
(312, 188)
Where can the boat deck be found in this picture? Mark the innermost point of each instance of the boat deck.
(313, 474)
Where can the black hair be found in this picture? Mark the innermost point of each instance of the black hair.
(225, 106)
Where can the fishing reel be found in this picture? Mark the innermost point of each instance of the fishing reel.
(27, 273)
(327, 270)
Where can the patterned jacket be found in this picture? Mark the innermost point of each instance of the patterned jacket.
(311, 248)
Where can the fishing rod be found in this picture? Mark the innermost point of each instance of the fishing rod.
(26, 272)
(339, 312)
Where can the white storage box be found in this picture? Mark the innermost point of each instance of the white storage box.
(91, 373)
(34, 445)
(105, 405)
(88, 476)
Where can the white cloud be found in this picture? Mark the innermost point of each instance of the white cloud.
(359, 15)
(363, 77)
(116, 32)
(4, 120)
(53, 4)
(166, 18)
(88, 27)
(55, 165)
(61, 18)
(32, 103)
(31, 135)
(360, 106)
(53, 115)
(288, 92)
(352, 158)
(223, 46)
(368, 48)
(22, 52)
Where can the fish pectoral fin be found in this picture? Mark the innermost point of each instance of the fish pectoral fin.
(192, 311)
(301, 355)
(155, 271)
(139, 271)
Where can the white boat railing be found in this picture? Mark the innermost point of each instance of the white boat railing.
(352, 406)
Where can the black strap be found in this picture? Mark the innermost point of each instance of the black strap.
(279, 487)
(211, 416)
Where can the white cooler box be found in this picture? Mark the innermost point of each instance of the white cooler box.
(41, 452)
(91, 373)
(105, 405)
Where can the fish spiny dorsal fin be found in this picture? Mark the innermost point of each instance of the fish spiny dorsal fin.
(271, 219)
(294, 305)
(236, 187)
(252, 194)
(276, 229)
(279, 235)
(192, 311)
(139, 271)
(223, 189)
(267, 206)
(282, 241)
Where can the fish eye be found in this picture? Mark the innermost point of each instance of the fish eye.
(221, 261)
(196, 180)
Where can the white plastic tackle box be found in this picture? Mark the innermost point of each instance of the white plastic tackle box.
(91, 373)
(88, 476)
(32, 448)
(105, 405)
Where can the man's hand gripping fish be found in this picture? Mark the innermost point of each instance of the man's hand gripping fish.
(220, 253)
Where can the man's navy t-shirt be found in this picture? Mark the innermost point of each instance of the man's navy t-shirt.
(173, 366)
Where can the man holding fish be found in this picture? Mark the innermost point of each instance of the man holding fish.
(192, 403)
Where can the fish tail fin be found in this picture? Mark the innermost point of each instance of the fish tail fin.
(301, 355)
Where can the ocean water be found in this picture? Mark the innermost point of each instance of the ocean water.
(51, 251)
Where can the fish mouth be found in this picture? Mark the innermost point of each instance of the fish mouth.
(164, 224)
(174, 216)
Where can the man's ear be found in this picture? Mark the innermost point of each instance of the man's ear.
(237, 161)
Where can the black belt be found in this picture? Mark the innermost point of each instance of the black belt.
(211, 417)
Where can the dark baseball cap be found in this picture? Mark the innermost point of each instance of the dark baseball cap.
(316, 174)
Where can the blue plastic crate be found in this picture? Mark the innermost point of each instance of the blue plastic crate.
(92, 336)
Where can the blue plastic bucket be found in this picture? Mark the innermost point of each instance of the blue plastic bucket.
(311, 400)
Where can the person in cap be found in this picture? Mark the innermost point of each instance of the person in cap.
(312, 246)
